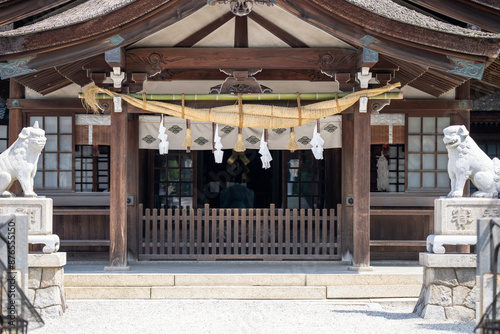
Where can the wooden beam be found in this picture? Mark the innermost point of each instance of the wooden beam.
(241, 32)
(282, 34)
(205, 31)
(158, 59)
(16, 93)
(347, 186)
(118, 191)
(361, 189)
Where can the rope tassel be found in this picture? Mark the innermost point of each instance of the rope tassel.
(240, 146)
(292, 143)
(188, 142)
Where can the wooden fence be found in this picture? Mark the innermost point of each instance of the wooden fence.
(260, 234)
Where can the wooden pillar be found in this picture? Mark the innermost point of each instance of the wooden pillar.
(118, 191)
(16, 91)
(361, 190)
(347, 185)
(132, 183)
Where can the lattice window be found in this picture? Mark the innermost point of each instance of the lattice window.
(174, 180)
(305, 176)
(426, 153)
(55, 165)
(91, 168)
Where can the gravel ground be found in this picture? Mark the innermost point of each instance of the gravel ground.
(242, 316)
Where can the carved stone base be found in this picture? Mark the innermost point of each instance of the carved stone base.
(38, 210)
(458, 216)
(435, 243)
(51, 242)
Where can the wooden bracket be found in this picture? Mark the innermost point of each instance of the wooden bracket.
(346, 82)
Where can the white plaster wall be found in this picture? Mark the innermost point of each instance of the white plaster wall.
(224, 36)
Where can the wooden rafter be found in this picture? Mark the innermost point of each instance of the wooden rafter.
(465, 11)
(241, 32)
(15, 11)
(205, 31)
(338, 22)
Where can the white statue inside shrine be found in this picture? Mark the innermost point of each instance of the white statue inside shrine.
(467, 161)
(19, 161)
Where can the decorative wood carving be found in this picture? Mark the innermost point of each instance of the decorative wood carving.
(242, 7)
(467, 68)
(153, 61)
(16, 67)
(240, 82)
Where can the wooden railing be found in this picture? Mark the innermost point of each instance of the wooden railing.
(261, 234)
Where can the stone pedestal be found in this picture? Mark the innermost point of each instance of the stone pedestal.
(449, 287)
(455, 220)
(39, 212)
(46, 284)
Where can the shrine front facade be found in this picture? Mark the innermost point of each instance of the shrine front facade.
(144, 176)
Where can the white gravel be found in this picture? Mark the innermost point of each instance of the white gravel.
(243, 316)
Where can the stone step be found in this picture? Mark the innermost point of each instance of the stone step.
(241, 286)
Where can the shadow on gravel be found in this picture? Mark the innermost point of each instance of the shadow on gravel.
(455, 327)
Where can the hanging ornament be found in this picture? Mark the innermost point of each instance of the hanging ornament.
(317, 143)
(218, 153)
(264, 151)
(240, 146)
(162, 136)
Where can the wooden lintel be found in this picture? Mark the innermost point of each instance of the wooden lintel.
(405, 105)
(46, 104)
(97, 78)
(115, 57)
(154, 60)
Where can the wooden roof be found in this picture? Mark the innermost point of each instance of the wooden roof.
(431, 55)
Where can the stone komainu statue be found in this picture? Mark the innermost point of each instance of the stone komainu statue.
(467, 161)
(19, 161)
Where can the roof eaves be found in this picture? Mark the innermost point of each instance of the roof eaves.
(86, 11)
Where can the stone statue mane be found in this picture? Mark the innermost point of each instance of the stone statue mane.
(467, 161)
(19, 161)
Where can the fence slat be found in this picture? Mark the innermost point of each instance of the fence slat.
(258, 222)
(265, 230)
(162, 231)
(147, 226)
(243, 218)
(191, 226)
(228, 237)
(236, 244)
(177, 225)
(317, 224)
(325, 225)
(199, 217)
(170, 218)
(251, 239)
(214, 231)
(302, 228)
(221, 221)
(338, 231)
(281, 223)
(310, 223)
(154, 230)
(295, 232)
(288, 225)
(272, 224)
(140, 227)
(206, 229)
